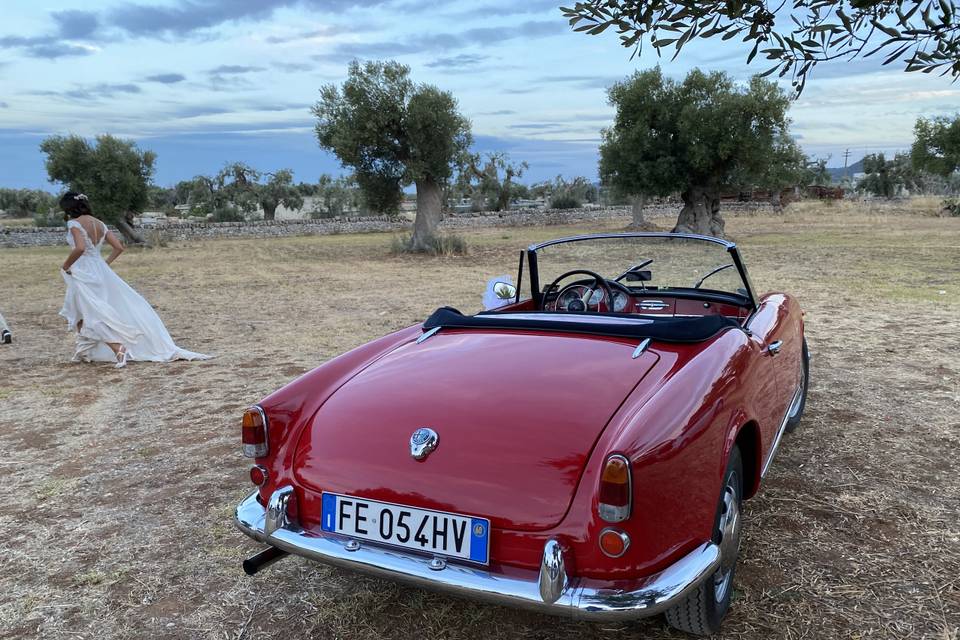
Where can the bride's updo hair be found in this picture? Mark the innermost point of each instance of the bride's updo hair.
(75, 204)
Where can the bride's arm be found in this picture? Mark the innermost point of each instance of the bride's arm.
(78, 245)
(115, 244)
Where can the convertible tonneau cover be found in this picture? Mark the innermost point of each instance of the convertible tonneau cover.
(668, 329)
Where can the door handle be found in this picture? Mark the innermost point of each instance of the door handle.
(774, 347)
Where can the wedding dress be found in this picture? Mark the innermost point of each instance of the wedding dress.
(111, 311)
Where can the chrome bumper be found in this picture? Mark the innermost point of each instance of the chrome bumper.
(551, 590)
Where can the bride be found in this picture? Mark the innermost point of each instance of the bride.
(113, 322)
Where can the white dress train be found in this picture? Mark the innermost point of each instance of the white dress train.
(111, 311)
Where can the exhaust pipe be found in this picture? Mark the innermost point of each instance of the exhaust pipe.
(263, 560)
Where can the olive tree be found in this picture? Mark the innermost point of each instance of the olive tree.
(936, 148)
(115, 174)
(925, 34)
(888, 178)
(393, 132)
(240, 189)
(694, 137)
(490, 182)
(19, 203)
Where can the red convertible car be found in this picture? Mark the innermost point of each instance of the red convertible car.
(583, 449)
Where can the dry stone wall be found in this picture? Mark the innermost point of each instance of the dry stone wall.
(177, 231)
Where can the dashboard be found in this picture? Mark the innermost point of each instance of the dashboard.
(580, 298)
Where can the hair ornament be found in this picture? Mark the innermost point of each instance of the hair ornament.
(81, 196)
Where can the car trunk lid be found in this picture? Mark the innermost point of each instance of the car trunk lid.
(517, 415)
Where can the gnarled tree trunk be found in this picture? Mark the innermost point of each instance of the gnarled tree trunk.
(130, 233)
(429, 203)
(269, 210)
(776, 201)
(639, 223)
(701, 212)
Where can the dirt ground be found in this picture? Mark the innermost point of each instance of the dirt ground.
(120, 485)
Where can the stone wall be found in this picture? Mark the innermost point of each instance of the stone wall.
(177, 231)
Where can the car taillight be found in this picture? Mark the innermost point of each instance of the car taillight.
(254, 433)
(616, 495)
(259, 475)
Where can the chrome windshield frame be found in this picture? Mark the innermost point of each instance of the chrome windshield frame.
(731, 248)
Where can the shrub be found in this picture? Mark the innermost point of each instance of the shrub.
(227, 214)
(951, 206)
(438, 245)
(48, 219)
(564, 200)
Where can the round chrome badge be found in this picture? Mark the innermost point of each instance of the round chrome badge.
(422, 442)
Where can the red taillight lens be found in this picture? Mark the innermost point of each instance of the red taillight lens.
(254, 433)
(614, 543)
(616, 496)
(258, 475)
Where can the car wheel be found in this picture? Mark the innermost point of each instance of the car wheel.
(701, 612)
(796, 413)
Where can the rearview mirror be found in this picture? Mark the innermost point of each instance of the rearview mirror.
(504, 290)
(638, 276)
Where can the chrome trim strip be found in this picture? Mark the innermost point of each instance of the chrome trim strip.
(641, 348)
(503, 585)
(780, 431)
(427, 334)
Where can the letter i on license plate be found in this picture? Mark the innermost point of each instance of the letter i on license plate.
(448, 534)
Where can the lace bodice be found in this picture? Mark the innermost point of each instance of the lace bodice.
(89, 249)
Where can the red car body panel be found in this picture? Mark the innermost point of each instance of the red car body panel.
(675, 413)
(518, 414)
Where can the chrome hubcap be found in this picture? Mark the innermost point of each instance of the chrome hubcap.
(728, 532)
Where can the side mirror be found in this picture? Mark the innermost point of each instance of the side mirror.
(638, 276)
(504, 290)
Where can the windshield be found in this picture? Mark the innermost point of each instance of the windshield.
(658, 262)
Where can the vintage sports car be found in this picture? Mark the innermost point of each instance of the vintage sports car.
(583, 450)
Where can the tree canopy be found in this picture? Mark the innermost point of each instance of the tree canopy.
(696, 137)
(936, 147)
(794, 37)
(240, 189)
(490, 182)
(115, 174)
(394, 132)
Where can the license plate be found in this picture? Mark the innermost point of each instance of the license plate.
(448, 534)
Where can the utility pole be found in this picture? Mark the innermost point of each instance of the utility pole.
(846, 155)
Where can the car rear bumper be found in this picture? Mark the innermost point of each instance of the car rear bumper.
(551, 590)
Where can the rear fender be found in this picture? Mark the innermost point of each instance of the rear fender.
(290, 409)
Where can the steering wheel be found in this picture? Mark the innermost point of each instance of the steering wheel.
(599, 282)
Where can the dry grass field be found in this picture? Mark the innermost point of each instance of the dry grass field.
(120, 485)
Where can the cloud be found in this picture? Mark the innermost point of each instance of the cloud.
(167, 78)
(303, 35)
(46, 47)
(188, 16)
(76, 24)
(234, 69)
(291, 67)
(582, 81)
(535, 125)
(71, 26)
(501, 112)
(92, 93)
(479, 36)
(508, 9)
(458, 62)
(4, 105)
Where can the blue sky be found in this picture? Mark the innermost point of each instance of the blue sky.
(205, 82)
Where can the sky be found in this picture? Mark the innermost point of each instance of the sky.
(207, 82)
